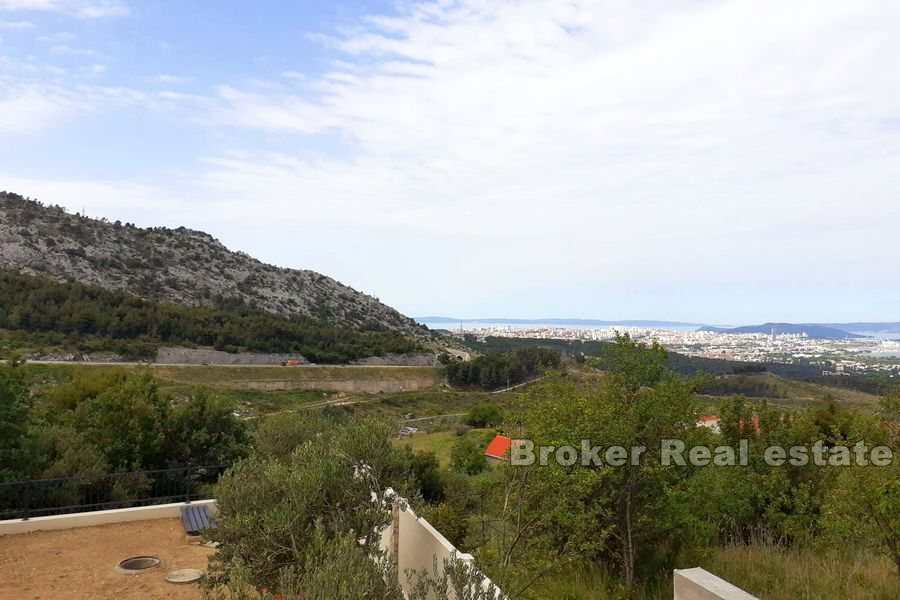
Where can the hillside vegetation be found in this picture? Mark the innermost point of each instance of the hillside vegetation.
(175, 265)
(788, 392)
(41, 311)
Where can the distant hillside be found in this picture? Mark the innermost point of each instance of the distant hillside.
(176, 265)
(821, 332)
(867, 327)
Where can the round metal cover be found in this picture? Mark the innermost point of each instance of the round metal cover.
(138, 563)
(184, 576)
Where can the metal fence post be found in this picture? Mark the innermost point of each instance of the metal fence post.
(187, 482)
(27, 504)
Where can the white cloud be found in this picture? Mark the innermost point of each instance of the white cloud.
(70, 51)
(16, 24)
(32, 108)
(83, 9)
(516, 107)
(92, 70)
(29, 110)
(59, 37)
(168, 79)
(626, 137)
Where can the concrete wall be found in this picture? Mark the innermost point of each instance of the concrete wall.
(100, 517)
(698, 584)
(415, 544)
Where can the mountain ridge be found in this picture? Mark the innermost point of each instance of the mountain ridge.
(822, 332)
(181, 265)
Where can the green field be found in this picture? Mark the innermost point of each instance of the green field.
(441, 442)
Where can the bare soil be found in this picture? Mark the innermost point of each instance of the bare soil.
(81, 563)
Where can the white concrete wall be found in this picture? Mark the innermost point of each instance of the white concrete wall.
(100, 517)
(698, 584)
(418, 545)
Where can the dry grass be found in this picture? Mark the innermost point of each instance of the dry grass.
(777, 573)
(765, 570)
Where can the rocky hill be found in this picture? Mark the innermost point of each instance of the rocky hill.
(175, 265)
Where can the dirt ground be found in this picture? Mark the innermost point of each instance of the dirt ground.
(81, 563)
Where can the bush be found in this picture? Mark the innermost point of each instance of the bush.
(467, 457)
(485, 415)
(453, 524)
(272, 508)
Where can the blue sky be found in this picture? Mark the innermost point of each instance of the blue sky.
(729, 161)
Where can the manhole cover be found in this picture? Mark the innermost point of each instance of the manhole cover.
(184, 576)
(136, 564)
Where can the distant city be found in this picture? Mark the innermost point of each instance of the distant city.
(875, 348)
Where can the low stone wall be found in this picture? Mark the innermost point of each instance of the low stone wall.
(198, 356)
(399, 360)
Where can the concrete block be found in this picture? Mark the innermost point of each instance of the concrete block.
(699, 584)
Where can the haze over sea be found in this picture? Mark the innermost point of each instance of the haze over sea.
(551, 323)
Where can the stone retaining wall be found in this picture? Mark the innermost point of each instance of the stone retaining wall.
(198, 356)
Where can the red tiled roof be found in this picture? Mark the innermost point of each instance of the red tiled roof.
(499, 447)
(709, 418)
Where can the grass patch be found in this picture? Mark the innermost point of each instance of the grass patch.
(426, 403)
(778, 573)
(594, 582)
(763, 570)
(441, 442)
(252, 403)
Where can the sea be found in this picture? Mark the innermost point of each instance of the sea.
(479, 324)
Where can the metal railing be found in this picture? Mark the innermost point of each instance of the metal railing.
(43, 497)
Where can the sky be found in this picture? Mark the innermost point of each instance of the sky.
(715, 161)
